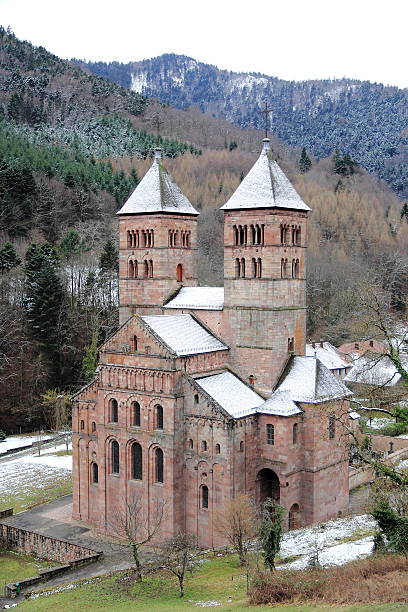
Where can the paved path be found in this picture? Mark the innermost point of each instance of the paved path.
(54, 519)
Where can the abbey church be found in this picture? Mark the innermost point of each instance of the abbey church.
(205, 392)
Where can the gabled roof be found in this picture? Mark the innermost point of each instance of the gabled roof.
(230, 393)
(182, 334)
(265, 186)
(309, 381)
(198, 298)
(157, 192)
(328, 354)
(280, 404)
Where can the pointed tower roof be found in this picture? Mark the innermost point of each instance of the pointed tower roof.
(265, 186)
(157, 192)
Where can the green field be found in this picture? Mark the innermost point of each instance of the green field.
(14, 567)
(219, 581)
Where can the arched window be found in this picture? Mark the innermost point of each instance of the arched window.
(251, 380)
(93, 426)
(114, 457)
(235, 234)
(135, 414)
(158, 417)
(203, 445)
(129, 239)
(217, 449)
(188, 240)
(94, 473)
(179, 273)
(284, 268)
(131, 270)
(282, 234)
(145, 269)
(137, 461)
(151, 237)
(297, 270)
(175, 238)
(204, 496)
(252, 234)
(291, 345)
(294, 517)
(332, 426)
(299, 236)
(150, 268)
(270, 434)
(242, 268)
(196, 398)
(241, 447)
(254, 267)
(237, 268)
(259, 268)
(144, 238)
(190, 443)
(134, 344)
(82, 424)
(295, 433)
(241, 234)
(113, 411)
(159, 465)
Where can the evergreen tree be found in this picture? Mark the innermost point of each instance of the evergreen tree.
(304, 162)
(109, 259)
(404, 211)
(90, 360)
(44, 303)
(8, 258)
(270, 533)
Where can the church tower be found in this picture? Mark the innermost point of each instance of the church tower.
(157, 243)
(265, 273)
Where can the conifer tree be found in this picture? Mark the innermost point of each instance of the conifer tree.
(44, 302)
(8, 258)
(270, 533)
(304, 162)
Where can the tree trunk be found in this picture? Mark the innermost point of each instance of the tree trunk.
(181, 585)
(137, 562)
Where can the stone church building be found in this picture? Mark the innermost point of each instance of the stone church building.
(206, 392)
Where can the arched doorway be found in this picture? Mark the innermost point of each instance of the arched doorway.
(179, 273)
(268, 486)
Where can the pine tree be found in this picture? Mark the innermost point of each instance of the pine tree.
(304, 162)
(8, 258)
(109, 259)
(270, 533)
(44, 303)
(90, 360)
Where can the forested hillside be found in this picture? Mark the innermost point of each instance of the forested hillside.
(73, 146)
(366, 120)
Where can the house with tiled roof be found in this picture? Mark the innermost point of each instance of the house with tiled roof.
(204, 393)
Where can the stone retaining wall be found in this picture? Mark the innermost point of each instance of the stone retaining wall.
(366, 474)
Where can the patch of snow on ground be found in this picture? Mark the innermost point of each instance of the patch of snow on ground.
(378, 422)
(323, 537)
(403, 436)
(403, 465)
(16, 478)
(207, 604)
(19, 441)
(48, 458)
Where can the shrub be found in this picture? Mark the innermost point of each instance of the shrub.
(393, 429)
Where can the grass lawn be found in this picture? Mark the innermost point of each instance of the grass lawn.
(218, 580)
(14, 566)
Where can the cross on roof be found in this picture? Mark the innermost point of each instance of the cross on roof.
(266, 110)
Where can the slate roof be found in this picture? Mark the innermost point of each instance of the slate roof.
(198, 298)
(183, 334)
(265, 186)
(239, 400)
(280, 404)
(309, 381)
(157, 192)
(230, 393)
(328, 354)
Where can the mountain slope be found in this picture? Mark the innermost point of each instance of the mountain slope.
(368, 121)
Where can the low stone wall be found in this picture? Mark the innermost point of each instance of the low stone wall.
(365, 474)
(43, 547)
(386, 443)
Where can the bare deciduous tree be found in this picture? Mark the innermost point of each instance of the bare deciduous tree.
(134, 524)
(179, 556)
(237, 522)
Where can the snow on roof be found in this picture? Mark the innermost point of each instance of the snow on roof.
(331, 357)
(157, 192)
(183, 334)
(265, 186)
(198, 298)
(280, 403)
(373, 369)
(230, 393)
(308, 380)
(354, 415)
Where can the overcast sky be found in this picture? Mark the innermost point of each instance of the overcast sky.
(291, 39)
